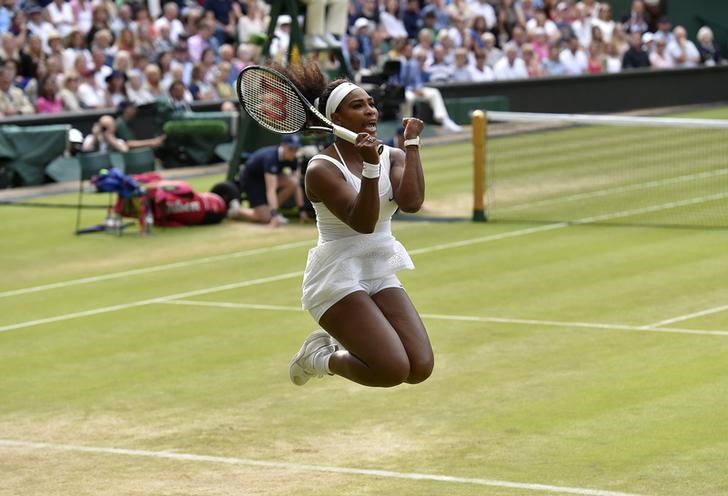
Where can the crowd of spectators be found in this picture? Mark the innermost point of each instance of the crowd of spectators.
(61, 55)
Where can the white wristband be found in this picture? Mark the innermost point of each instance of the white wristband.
(370, 171)
(412, 142)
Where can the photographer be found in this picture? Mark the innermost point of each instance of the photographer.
(103, 137)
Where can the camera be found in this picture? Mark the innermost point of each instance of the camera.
(104, 129)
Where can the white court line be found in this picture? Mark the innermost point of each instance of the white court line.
(689, 316)
(155, 268)
(467, 318)
(299, 467)
(160, 299)
(444, 246)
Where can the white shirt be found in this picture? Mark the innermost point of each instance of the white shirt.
(575, 63)
(688, 50)
(503, 70)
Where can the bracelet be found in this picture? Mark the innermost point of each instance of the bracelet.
(370, 171)
(412, 142)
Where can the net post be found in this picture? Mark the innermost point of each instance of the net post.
(479, 127)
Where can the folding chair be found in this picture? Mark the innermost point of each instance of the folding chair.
(139, 160)
(90, 165)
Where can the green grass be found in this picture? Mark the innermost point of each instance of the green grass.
(543, 374)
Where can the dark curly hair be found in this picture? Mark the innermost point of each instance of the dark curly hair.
(309, 79)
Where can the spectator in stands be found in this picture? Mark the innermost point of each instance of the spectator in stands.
(509, 16)
(91, 95)
(82, 14)
(605, 22)
(510, 66)
(268, 184)
(170, 13)
(99, 22)
(492, 53)
(590, 8)
(75, 45)
(484, 9)
(12, 100)
(135, 89)
(6, 14)
(103, 137)
(38, 26)
(710, 54)
(533, 64)
(480, 70)
(595, 61)
(391, 20)
(33, 56)
(281, 38)
(635, 21)
(411, 18)
(462, 72)
(682, 50)
(180, 58)
(179, 97)
(198, 87)
(540, 43)
(659, 58)
(153, 81)
(48, 102)
(664, 30)
(126, 113)
(253, 23)
(438, 70)
(60, 14)
(225, 15)
(542, 23)
(574, 57)
(124, 19)
(612, 58)
(201, 41)
(116, 88)
(636, 57)
(220, 78)
(552, 65)
(125, 41)
(69, 91)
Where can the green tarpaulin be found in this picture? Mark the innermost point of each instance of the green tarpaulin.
(26, 151)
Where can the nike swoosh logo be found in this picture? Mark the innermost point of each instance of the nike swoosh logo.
(391, 198)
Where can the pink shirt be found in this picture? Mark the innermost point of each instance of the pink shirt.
(44, 106)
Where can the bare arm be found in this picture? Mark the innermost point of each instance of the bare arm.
(406, 174)
(324, 183)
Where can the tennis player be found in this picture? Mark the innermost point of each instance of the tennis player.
(372, 333)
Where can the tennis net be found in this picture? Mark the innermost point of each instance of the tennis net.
(606, 169)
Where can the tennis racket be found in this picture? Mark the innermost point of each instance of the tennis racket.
(275, 103)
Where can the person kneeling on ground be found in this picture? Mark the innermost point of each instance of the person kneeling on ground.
(268, 184)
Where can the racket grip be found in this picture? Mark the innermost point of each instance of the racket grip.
(343, 133)
(350, 136)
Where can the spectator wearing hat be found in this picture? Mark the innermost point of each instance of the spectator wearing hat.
(39, 26)
(90, 94)
(116, 88)
(270, 177)
(664, 30)
(126, 114)
(281, 38)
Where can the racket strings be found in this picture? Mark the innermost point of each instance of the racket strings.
(272, 102)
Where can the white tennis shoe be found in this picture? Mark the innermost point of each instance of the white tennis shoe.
(310, 360)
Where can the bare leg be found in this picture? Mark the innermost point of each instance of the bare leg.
(378, 352)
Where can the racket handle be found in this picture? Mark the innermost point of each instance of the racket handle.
(345, 134)
(350, 136)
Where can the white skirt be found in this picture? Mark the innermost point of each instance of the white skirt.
(334, 268)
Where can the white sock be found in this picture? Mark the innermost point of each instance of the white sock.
(321, 361)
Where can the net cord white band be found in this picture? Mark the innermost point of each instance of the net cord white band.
(623, 120)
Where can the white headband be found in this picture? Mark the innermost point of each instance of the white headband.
(337, 96)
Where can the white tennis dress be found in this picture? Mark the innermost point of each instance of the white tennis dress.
(343, 257)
